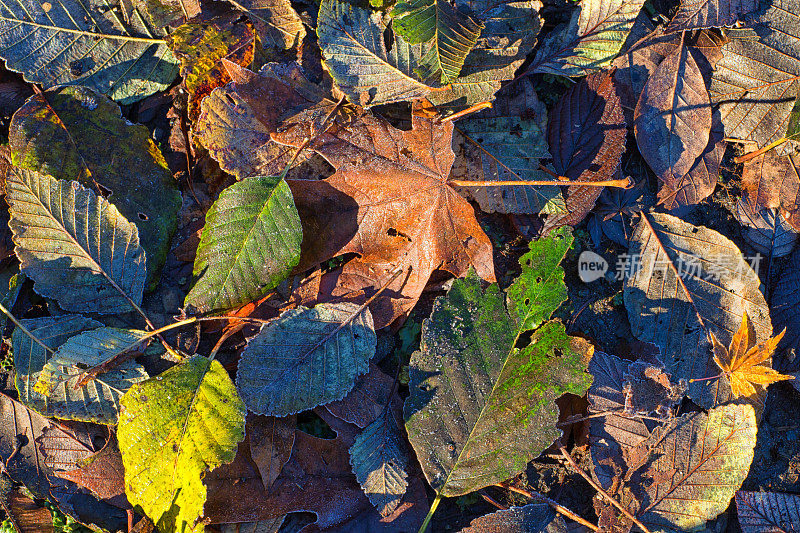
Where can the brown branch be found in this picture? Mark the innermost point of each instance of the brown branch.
(599, 489)
(625, 183)
(557, 507)
(468, 111)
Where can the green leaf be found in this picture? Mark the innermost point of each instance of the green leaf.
(380, 462)
(508, 36)
(84, 43)
(351, 39)
(250, 243)
(278, 25)
(173, 428)
(95, 402)
(71, 133)
(488, 156)
(480, 407)
(75, 246)
(590, 40)
(306, 358)
(450, 35)
(100, 397)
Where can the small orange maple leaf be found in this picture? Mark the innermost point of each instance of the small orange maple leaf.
(741, 362)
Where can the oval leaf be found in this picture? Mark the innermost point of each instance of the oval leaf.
(173, 428)
(767, 512)
(250, 243)
(306, 358)
(75, 246)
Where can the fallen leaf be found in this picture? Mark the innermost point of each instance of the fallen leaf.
(538, 517)
(785, 309)
(761, 512)
(278, 25)
(172, 429)
(672, 120)
(271, 441)
(586, 134)
(102, 473)
(470, 379)
(368, 399)
(589, 41)
(24, 514)
(389, 202)
(695, 14)
(756, 81)
(133, 176)
(742, 362)
(79, 44)
(773, 181)
(767, 231)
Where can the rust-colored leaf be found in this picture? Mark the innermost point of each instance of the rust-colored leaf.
(101, 473)
(743, 361)
(271, 441)
(773, 181)
(390, 203)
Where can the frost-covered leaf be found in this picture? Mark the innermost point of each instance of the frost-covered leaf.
(84, 43)
(236, 120)
(75, 246)
(531, 518)
(767, 231)
(693, 466)
(756, 81)
(773, 181)
(590, 40)
(72, 133)
(487, 155)
(380, 462)
(250, 243)
(172, 429)
(672, 120)
(278, 25)
(508, 35)
(306, 358)
(691, 282)
(586, 134)
(200, 45)
(480, 408)
(447, 32)
(98, 400)
(695, 14)
(785, 304)
(767, 512)
(271, 440)
(352, 42)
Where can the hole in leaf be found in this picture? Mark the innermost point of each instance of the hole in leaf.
(142, 216)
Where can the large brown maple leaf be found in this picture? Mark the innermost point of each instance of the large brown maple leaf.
(390, 203)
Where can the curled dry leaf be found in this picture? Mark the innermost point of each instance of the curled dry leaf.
(742, 362)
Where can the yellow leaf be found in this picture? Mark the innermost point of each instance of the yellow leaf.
(741, 361)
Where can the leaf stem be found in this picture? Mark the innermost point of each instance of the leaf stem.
(24, 329)
(557, 507)
(752, 155)
(477, 107)
(599, 489)
(625, 183)
(432, 510)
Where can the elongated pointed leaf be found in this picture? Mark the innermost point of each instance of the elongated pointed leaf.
(98, 400)
(84, 43)
(480, 408)
(590, 41)
(76, 247)
(756, 81)
(352, 42)
(250, 243)
(450, 35)
(691, 282)
(306, 358)
(696, 464)
(767, 512)
(173, 428)
(380, 463)
(72, 133)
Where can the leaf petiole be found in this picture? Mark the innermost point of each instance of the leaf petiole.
(432, 510)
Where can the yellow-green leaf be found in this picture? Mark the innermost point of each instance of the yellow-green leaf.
(173, 428)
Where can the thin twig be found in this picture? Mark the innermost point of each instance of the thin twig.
(461, 114)
(625, 183)
(493, 502)
(557, 507)
(24, 329)
(752, 155)
(599, 489)
(225, 336)
(570, 421)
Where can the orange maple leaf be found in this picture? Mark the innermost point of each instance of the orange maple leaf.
(741, 362)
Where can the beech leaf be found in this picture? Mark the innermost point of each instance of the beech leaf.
(75, 246)
(277, 23)
(306, 358)
(172, 429)
(764, 512)
(250, 243)
(504, 396)
(696, 14)
(531, 518)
